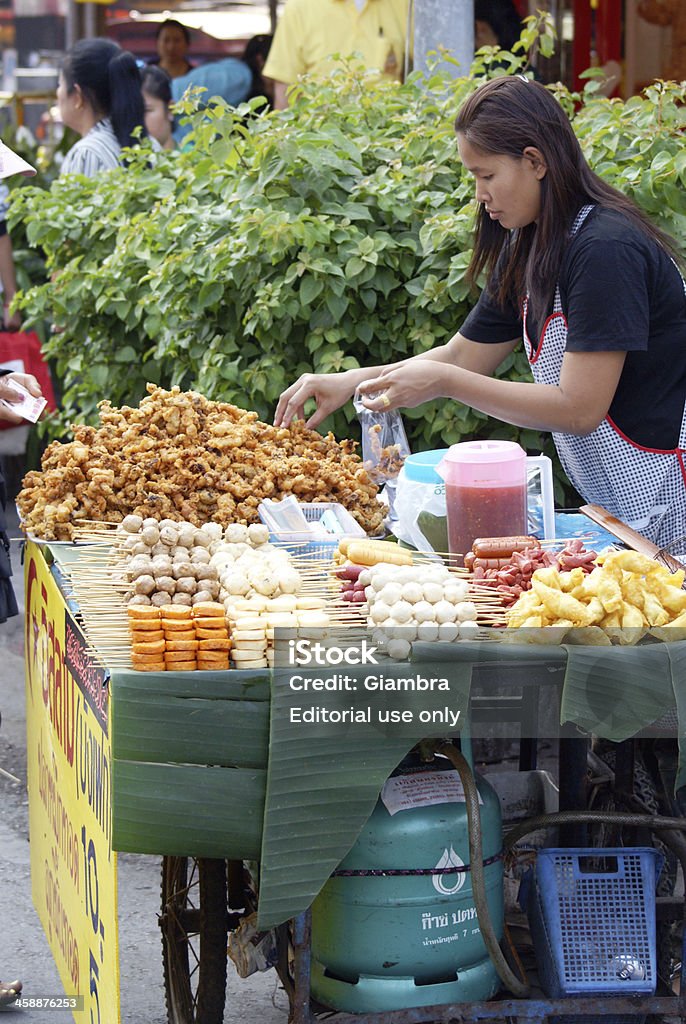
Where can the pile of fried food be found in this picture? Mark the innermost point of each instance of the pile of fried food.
(626, 596)
(180, 456)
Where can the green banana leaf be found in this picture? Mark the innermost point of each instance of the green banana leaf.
(323, 780)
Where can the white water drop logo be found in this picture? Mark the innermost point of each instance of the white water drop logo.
(456, 881)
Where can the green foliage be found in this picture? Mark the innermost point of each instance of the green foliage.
(331, 235)
(638, 146)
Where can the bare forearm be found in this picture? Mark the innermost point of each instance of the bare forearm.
(577, 404)
(452, 353)
(332, 391)
(7, 274)
(280, 95)
(522, 403)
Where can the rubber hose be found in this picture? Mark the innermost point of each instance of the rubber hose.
(508, 978)
(653, 822)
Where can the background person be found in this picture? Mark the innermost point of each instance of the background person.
(229, 78)
(309, 32)
(157, 100)
(99, 96)
(173, 42)
(10, 163)
(592, 287)
(496, 23)
(255, 56)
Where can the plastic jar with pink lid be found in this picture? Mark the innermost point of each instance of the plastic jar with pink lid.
(485, 488)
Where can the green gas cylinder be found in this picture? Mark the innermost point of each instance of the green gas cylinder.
(386, 933)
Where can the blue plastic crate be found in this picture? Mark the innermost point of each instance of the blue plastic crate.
(319, 548)
(312, 551)
(592, 919)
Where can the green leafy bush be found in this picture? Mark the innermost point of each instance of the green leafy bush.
(28, 261)
(331, 235)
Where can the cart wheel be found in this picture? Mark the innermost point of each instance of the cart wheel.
(194, 923)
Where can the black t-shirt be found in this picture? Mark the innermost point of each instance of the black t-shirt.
(619, 291)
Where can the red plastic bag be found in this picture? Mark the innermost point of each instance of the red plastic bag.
(20, 351)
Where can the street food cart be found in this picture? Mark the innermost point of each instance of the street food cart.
(256, 785)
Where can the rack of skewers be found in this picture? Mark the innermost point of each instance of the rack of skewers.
(136, 582)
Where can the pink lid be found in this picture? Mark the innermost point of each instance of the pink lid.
(494, 463)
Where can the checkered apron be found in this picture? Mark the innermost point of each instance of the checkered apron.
(645, 487)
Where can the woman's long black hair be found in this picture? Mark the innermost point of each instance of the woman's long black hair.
(110, 81)
(503, 117)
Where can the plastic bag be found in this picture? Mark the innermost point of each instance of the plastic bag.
(422, 519)
(384, 450)
(252, 950)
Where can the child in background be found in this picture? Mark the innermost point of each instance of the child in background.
(157, 96)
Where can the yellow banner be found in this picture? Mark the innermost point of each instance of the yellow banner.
(73, 867)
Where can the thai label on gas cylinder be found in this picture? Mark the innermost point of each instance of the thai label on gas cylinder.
(422, 789)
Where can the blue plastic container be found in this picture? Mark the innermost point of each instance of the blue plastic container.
(592, 919)
(421, 467)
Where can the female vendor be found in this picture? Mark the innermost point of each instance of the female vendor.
(592, 287)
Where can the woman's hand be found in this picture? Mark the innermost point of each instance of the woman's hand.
(405, 385)
(329, 390)
(9, 396)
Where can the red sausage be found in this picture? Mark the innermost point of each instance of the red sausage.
(502, 547)
(491, 563)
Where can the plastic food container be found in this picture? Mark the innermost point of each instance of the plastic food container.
(420, 489)
(486, 492)
(540, 496)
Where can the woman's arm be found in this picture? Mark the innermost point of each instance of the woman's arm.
(577, 405)
(9, 283)
(332, 390)
(280, 95)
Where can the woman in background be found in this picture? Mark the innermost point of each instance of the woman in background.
(157, 97)
(99, 96)
(255, 56)
(173, 42)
